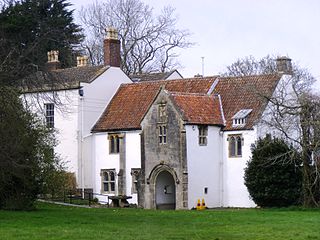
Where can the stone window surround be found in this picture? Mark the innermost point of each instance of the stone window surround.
(114, 142)
(108, 180)
(235, 145)
(203, 133)
(162, 133)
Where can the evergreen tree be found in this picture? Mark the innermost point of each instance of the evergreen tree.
(273, 175)
(31, 28)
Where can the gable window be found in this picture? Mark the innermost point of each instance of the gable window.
(114, 143)
(235, 145)
(135, 176)
(162, 129)
(108, 179)
(203, 133)
(49, 114)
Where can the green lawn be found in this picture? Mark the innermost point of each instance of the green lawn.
(59, 222)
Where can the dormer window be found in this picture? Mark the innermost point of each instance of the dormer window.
(240, 118)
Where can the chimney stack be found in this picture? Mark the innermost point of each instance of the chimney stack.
(111, 48)
(284, 65)
(53, 60)
(82, 61)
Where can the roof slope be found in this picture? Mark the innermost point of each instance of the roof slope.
(151, 76)
(62, 79)
(129, 105)
(247, 92)
(199, 108)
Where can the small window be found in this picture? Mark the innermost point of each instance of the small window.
(49, 114)
(135, 177)
(114, 143)
(108, 180)
(235, 146)
(203, 133)
(162, 134)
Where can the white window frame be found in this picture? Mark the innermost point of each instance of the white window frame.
(49, 114)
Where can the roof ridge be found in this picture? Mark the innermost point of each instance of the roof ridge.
(187, 94)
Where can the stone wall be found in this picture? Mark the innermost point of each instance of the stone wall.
(158, 157)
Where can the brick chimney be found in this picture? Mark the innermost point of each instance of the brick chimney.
(53, 60)
(284, 65)
(111, 48)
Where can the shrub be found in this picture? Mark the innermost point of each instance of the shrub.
(273, 175)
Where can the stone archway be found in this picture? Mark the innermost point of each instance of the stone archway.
(162, 188)
(165, 191)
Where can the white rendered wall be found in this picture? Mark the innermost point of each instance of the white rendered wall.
(290, 124)
(133, 160)
(102, 159)
(65, 122)
(235, 192)
(174, 75)
(98, 94)
(204, 167)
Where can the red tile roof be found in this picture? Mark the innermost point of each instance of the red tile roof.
(247, 92)
(199, 108)
(129, 105)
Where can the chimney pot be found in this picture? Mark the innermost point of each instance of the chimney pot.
(53, 60)
(82, 61)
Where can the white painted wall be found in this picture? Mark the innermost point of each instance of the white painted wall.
(174, 75)
(204, 164)
(133, 160)
(102, 159)
(235, 192)
(65, 122)
(289, 123)
(98, 94)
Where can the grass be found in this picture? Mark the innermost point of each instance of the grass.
(60, 222)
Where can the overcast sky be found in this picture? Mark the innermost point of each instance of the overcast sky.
(225, 30)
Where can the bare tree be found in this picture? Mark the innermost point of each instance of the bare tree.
(292, 113)
(148, 41)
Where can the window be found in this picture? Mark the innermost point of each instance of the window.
(240, 118)
(235, 146)
(114, 143)
(135, 176)
(49, 107)
(108, 180)
(203, 133)
(162, 134)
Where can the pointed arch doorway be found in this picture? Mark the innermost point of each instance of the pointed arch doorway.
(165, 191)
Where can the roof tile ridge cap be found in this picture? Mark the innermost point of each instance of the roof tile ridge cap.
(221, 109)
(176, 93)
(149, 81)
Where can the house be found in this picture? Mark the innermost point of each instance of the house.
(71, 100)
(169, 143)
